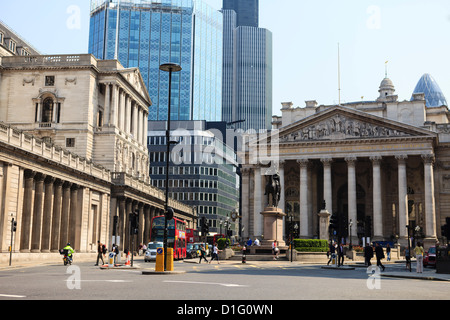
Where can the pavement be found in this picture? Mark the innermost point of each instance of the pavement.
(394, 269)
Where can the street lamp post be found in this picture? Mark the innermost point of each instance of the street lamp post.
(168, 67)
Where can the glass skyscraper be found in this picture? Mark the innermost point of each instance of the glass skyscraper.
(247, 67)
(247, 11)
(147, 34)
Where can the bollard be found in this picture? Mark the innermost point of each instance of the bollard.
(169, 262)
(159, 265)
(111, 259)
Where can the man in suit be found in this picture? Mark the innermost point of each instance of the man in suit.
(379, 253)
(341, 255)
(368, 254)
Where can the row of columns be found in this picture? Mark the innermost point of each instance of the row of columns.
(430, 212)
(50, 208)
(122, 111)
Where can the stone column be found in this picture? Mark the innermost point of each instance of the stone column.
(127, 127)
(147, 223)
(107, 106)
(377, 203)
(430, 206)
(27, 211)
(37, 213)
(245, 201)
(56, 217)
(327, 184)
(48, 211)
(402, 196)
(304, 219)
(352, 205)
(65, 213)
(73, 216)
(282, 204)
(258, 204)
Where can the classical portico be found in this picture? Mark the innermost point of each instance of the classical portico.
(367, 169)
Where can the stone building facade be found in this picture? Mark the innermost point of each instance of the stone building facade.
(382, 165)
(74, 154)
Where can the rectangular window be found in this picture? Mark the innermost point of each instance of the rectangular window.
(49, 81)
(70, 143)
(1, 38)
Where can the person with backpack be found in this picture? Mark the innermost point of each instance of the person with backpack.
(100, 252)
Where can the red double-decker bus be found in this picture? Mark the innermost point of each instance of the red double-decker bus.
(176, 235)
(192, 236)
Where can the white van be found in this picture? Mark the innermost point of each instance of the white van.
(150, 254)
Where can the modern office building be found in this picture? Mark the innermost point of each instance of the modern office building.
(433, 94)
(203, 169)
(247, 67)
(247, 11)
(147, 34)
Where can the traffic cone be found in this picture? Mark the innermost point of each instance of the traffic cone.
(128, 263)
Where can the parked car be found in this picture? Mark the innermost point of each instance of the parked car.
(191, 252)
(429, 258)
(150, 254)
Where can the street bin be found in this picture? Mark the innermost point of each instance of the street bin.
(159, 265)
(443, 260)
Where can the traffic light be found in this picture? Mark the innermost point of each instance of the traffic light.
(14, 225)
(204, 227)
(169, 214)
(334, 222)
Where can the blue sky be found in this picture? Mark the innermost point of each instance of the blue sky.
(413, 35)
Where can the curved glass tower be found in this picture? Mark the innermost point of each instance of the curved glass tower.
(433, 94)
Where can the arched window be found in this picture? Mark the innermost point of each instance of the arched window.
(47, 110)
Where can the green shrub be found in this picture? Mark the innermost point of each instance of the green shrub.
(310, 245)
(221, 243)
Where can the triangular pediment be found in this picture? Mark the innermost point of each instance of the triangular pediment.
(134, 77)
(342, 123)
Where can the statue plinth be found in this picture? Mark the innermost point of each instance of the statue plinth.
(273, 226)
(324, 223)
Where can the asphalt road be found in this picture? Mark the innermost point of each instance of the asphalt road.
(225, 282)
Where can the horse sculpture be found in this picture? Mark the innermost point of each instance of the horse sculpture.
(273, 190)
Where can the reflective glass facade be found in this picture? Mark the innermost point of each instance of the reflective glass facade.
(247, 11)
(432, 91)
(247, 74)
(148, 34)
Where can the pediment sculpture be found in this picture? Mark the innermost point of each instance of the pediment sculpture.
(342, 127)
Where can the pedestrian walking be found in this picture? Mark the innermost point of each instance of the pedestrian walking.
(408, 259)
(215, 254)
(379, 253)
(331, 252)
(202, 254)
(99, 252)
(388, 252)
(418, 250)
(275, 250)
(368, 254)
(340, 255)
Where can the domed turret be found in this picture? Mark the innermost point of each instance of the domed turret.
(386, 89)
(433, 94)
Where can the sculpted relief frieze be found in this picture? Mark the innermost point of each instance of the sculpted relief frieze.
(342, 127)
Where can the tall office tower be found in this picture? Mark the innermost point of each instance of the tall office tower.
(247, 11)
(247, 67)
(147, 34)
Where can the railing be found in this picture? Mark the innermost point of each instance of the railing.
(31, 144)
